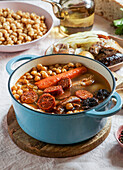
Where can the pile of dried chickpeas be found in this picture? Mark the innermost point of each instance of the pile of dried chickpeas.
(20, 27)
(27, 81)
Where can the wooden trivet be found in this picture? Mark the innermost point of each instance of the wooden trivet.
(31, 145)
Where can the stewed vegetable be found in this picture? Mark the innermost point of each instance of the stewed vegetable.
(61, 88)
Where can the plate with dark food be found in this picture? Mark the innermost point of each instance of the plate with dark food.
(62, 98)
(97, 45)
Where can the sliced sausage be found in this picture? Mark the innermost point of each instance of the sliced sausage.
(46, 102)
(29, 97)
(65, 82)
(54, 90)
(66, 94)
(83, 94)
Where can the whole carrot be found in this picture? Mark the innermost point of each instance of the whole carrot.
(50, 81)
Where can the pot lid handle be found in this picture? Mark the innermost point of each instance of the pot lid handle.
(16, 59)
(107, 113)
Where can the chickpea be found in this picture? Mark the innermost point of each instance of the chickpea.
(14, 88)
(25, 89)
(29, 77)
(40, 92)
(54, 69)
(33, 73)
(25, 81)
(78, 64)
(16, 96)
(20, 92)
(30, 86)
(69, 112)
(53, 73)
(44, 74)
(39, 66)
(43, 68)
(70, 65)
(49, 72)
(34, 69)
(14, 92)
(58, 71)
(35, 87)
(63, 70)
(37, 78)
(65, 67)
(69, 106)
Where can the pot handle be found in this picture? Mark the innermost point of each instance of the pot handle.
(16, 59)
(112, 111)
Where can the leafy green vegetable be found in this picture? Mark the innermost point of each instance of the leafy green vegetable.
(119, 24)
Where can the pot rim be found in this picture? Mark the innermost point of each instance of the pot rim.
(71, 114)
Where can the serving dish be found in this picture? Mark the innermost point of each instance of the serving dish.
(62, 129)
(26, 7)
(117, 134)
(113, 67)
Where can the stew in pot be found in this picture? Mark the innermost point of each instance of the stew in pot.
(61, 88)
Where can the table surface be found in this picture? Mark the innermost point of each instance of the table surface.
(108, 155)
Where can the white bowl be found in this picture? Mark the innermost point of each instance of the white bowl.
(26, 7)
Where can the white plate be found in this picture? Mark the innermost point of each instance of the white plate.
(26, 7)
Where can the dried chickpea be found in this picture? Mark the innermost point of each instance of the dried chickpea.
(37, 78)
(44, 74)
(69, 106)
(16, 96)
(1, 34)
(19, 13)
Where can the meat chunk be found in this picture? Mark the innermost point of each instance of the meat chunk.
(105, 54)
(65, 82)
(83, 94)
(54, 90)
(46, 102)
(29, 97)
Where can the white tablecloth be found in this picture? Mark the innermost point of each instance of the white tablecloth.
(108, 155)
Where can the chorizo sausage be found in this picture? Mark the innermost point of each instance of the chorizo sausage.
(83, 94)
(65, 82)
(46, 102)
(54, 90)
(29, 97)
(53, 80)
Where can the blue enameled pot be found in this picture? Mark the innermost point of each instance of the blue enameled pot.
(62, 129)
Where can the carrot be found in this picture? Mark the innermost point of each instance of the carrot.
(50, 81)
